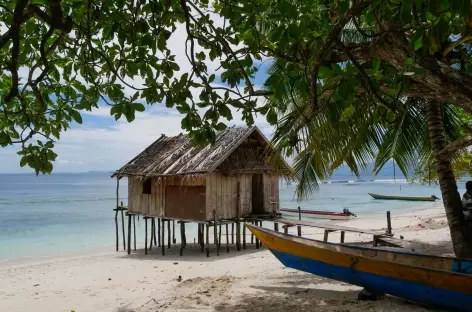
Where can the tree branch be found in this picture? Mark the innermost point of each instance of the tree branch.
(448, 48)
(333, 36)
(455, 146)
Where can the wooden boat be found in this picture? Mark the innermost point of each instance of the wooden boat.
(345, 215)
(440, 281)
(411, 198)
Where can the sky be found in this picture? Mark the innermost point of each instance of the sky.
(102, 144)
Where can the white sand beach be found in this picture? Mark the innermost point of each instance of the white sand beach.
(249, 280)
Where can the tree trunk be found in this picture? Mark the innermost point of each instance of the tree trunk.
(460, 233)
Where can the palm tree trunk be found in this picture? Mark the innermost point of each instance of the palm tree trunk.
(460, 232)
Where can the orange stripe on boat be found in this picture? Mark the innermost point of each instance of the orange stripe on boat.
(445, 280)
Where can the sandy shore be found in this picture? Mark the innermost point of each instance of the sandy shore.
(250, 280)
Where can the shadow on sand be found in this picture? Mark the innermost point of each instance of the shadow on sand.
(191, 253)
(300, 299)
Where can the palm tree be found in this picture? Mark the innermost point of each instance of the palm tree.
(360, 132)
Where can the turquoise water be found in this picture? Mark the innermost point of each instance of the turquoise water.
(62, 213)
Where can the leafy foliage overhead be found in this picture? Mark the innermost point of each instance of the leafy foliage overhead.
(60, 57)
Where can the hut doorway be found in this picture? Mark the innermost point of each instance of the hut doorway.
(257, 194)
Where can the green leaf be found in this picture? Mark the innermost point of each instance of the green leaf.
(417, 40)
(271, 116)
(324, 72)
(75, 115)
(221, 126)
(225, 112)
(130, 116)
(23, 161)
(347, 113)
(139, 107)
(211, 78)
(183, 108)
(161, 43)
(116, 109)
(376, 63)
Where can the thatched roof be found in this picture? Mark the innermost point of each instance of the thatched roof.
(176, 155)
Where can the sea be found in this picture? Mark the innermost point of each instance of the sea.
(66, 213)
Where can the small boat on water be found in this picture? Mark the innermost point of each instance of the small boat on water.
(411, 198)
(345, 215)
(440, 281)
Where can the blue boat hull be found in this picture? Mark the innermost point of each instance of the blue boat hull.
(405, 289)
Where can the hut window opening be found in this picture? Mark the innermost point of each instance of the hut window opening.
(147, 186)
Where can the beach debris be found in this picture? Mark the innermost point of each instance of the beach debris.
(370, 295)
(176, 263)
(302, 291)
(109, 279)
(401, 237)
(179, 279)
(35, 285)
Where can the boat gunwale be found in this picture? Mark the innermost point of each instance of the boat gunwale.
(364, 248)
(396, 197)
(406, 266)
(316, 212)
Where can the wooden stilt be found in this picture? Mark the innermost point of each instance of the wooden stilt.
(116, 227)
(252, 235)
(299, 228)
(342, 237)
(219, 237)
(134, 230)
(123, 227)
(163, 243)
(215, 234)
(116, 212)
(168, 234)
(389, 223)
(244, 235)
(129, 233)
(181, 238)
(325, 238)
(227, 238)
(173, 232)
(145, 235)
(202, 235)
(257, 241)
(154, 230)
(185, 235)
(285, 229)
(208, 239)
(152, 234)
(198, 233)
(232, 233)
(238, 214)
(159, 231)
(260, 242)
(276, 226)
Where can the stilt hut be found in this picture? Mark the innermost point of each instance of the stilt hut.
(233, 178)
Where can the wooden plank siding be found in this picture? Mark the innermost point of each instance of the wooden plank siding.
(221, 194)
(154, 204)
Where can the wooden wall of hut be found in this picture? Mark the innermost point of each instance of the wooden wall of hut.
(271, 193)
(154, 204)
(175, 197)
(222, 194)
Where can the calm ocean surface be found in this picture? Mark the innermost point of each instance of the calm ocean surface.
(64, 213)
